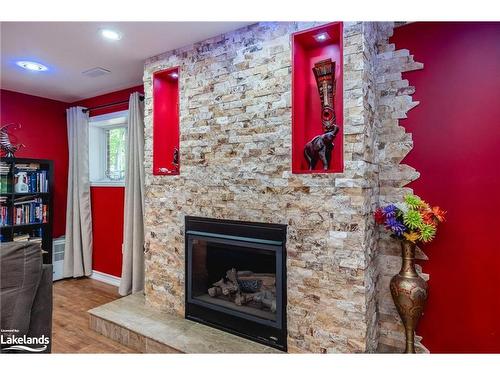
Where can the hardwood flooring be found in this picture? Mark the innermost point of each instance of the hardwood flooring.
(70, 324)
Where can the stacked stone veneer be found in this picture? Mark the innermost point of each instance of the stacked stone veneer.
(394, 100)
(235, 153)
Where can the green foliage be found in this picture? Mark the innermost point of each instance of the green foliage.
(413, 219)
(413, 202)
(427, 232)
(116, 153)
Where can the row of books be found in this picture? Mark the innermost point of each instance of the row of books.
(30, 210)
(4, 178)
(30, 179)
(5, 184)
(34, 235)
(4, 167)
(27, 166)
(4, 212)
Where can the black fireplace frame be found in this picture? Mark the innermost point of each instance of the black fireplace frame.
(270, 237)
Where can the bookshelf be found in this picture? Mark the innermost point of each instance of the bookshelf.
(26, 209)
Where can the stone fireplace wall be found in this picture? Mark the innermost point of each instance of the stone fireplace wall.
(235, 152)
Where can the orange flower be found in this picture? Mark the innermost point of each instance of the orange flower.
(428, 217)
(425, 206)
(412, 236)
(438, 213)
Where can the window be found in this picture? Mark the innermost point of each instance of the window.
(107, 147)
(115, 153)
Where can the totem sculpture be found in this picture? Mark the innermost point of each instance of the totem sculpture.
(6, 146)
(321, 146)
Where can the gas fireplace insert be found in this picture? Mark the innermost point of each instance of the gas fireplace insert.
(236, 277)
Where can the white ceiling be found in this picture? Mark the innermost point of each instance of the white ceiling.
(69, 48)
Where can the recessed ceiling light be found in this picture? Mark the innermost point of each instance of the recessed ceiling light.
(321, 37)
(31, 65)
(111, 34)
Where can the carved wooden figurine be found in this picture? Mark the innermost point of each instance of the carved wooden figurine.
(320, 148)
(324, 72)
(175, 159)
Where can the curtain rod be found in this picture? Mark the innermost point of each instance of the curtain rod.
(141, 98)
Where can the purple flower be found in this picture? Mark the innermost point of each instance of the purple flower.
(390, 210)
(395, 225)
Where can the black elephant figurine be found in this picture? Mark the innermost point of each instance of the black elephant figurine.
(320, 148)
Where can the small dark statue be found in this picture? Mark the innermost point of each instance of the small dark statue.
(320, 148)
(175, 159)
(6, 139)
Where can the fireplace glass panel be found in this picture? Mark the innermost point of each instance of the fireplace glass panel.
(236, 277)
(217, 263)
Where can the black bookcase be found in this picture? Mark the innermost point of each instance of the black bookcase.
(10, 230)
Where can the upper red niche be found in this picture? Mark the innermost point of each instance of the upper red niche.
(166, 122)
(309, 47)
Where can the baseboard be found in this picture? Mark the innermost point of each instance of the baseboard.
(105, 278)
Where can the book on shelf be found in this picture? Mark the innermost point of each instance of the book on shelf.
(4, 212)
(31, 177)
(33, 236)
(30, 210)
(4, 168)
(27, 238)
(4, 216)
(4, 178)
(21, 237)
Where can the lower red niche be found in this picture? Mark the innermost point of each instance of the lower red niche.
(317, 111)
(166, 122)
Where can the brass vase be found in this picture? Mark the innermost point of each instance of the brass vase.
(409, 292)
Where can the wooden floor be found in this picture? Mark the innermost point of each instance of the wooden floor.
(71, 332)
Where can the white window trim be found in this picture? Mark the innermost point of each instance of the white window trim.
(107, 183)
(101, 123)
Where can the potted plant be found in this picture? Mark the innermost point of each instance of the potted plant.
(410, 221)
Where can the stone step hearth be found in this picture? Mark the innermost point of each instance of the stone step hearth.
(131, 322)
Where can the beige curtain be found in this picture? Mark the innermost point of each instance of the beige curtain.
(78, 249)
(132, 279)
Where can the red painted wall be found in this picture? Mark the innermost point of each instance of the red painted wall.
(107, 202)
(43, 132)
(456, 137)
(107, 228)
(112, 97)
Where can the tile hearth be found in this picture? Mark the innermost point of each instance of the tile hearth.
(131, 322)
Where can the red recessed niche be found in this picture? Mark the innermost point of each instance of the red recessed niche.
(166, 122)
(308, 48)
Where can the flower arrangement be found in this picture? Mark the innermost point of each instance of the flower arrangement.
(412, 220)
